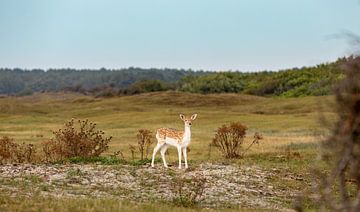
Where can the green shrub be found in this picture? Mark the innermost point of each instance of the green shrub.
(145, 86)
(296, 82)
(213, 83)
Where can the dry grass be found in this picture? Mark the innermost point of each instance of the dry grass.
(32, 119)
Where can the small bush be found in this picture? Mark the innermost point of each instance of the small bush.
(145, 140)
(229, 139)
(188, 191)
(70, 142)
(11, 152)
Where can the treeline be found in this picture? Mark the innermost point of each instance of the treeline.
(317, 80)
(22, 82)
(306, 81)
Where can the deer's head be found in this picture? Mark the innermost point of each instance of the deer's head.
(188, 120)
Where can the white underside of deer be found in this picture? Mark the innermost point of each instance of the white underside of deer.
(179, 139)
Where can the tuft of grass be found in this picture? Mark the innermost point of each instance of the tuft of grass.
(143, 162)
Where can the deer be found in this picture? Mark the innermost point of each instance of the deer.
(167, 137)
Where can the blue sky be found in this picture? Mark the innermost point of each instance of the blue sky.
(246, 35)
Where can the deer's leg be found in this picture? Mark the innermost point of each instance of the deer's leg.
(156, 149)
(162, 152)
(179, 153)
(185, 157)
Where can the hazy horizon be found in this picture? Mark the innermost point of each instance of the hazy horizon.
(174, 68)
(199, 35)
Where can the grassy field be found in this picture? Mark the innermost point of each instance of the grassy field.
(281, 121)
(292, 127)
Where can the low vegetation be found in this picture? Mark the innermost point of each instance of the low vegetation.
(85, 144)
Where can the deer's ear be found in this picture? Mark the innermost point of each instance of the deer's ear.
(182, 117)
(193, 117)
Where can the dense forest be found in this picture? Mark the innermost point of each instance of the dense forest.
(317, 80)
(22, 82)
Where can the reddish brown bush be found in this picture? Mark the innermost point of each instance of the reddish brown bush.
(7, 147)
(229, 139)
(11, 152)
(145, 140)
(84, 141)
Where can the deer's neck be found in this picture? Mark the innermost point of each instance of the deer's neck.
(187, 133)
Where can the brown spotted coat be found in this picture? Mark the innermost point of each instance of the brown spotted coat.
(164, 133)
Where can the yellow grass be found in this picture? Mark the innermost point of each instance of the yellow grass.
(281, 121)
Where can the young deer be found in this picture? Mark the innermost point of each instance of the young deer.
(169, 137)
